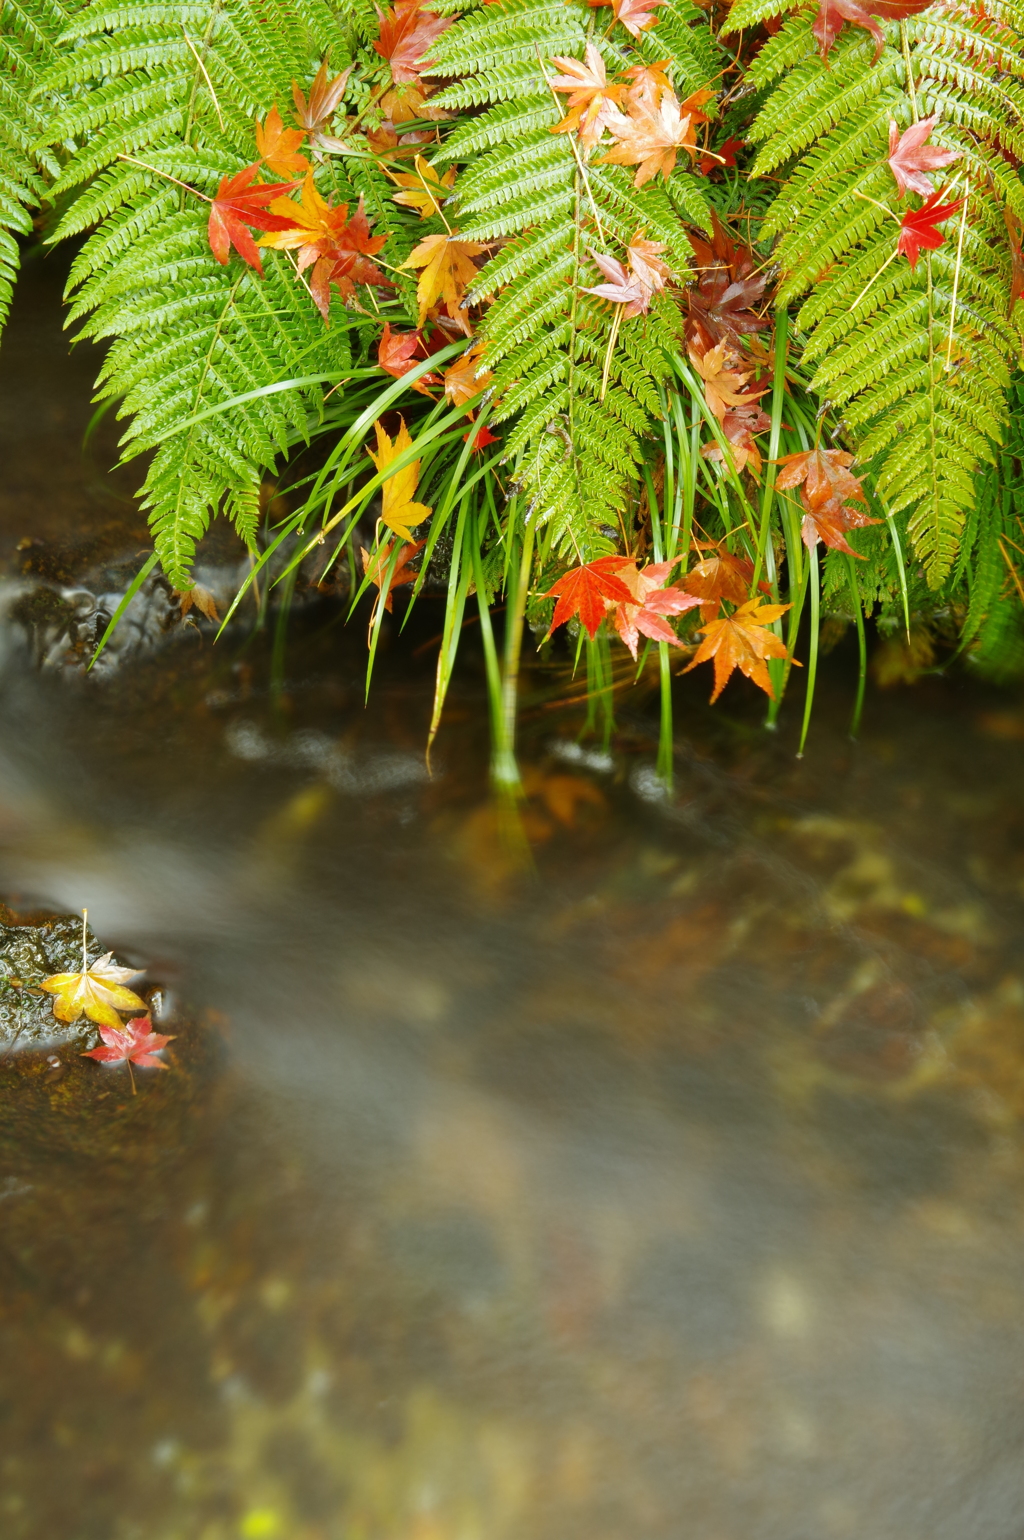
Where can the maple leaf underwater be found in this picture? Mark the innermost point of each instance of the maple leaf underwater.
(919, 227)
(583, 591)
(406, 32)
(742, 640)
(398, 511)
(910, 157)
(97, 992)
(135, 1043)
(241, 202)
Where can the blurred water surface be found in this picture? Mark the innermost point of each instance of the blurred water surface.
(672, 1189)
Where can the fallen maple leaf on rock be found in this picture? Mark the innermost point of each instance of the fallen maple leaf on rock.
(742, 640)
(395, 354)
(241, 202)
(375, 567)
(134, 1043)
(406, 32)
(651, 601)
(398, 511)
(861, 13)
(97, 992)
(448, 270)
(910, 157)
(591, 98)
(919, 227)
(583, 592)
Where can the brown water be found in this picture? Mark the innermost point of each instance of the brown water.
(677, 1190)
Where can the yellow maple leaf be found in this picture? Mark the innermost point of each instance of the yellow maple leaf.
(448, 270)
(422, 188)
(398, 511)
(97, 992)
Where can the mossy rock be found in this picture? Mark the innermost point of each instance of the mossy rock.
(30, 953)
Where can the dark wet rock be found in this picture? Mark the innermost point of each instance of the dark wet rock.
(29, 954)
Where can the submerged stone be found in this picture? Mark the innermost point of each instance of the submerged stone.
(29, 954)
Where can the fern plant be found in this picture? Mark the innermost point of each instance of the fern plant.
(917, 359)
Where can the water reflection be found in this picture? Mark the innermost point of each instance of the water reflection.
(673, 1191)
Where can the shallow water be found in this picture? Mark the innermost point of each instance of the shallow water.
(675, 1189)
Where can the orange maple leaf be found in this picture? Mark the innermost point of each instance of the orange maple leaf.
(651, 135)
(722, 385)
(278, 146)
(739, 428)
(337, 248)
(406, 32)
(742, 640)
(422, 188)
(324, 97)
(635, 15)
(448, 270)
(241, 202)
(718, 577)
(591, 98)
(375, 567)
(465, 379)
(827, 486)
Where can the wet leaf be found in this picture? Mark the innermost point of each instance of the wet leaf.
(832, 14)
(398, 511)
(134, 1043)
(336, 247)
(652, 600)
(584, 590)
(742, 640)
(739, 427)
(827, 488)
(910, 156)
(718, 577)
(203, 600)
(97, 992)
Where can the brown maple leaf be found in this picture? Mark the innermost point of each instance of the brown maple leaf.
(652, 600)
(422, 188)
(240, 202)
(829, 522)
(722, 385)
(336, 247)
(910, 157)
(651, 135)
(134, 1043)
(406, 33)
(739, 427)
(585, 590)
(719, 305)
(718, 577)
(591, 99)
(447, 271)
(465, 379)
(827, 486)
(324, 97)
(742, 640)
(861, 13)
(278, 146)
(375, 567)
(201, 597)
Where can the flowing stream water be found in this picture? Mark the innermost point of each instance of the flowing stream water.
(674, 1189)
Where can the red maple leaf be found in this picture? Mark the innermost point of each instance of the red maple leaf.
(480, 438)
(910, 157)
(724, 155)
(918, 227)
(406, 32)
(396, 354)
(583, 592)
(861, 13)
(238, 203)
(135, 1043)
